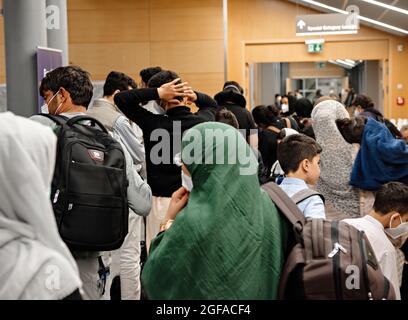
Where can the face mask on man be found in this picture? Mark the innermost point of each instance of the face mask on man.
(45, 108)
(399, 234)
(186, 181)
(285, 108)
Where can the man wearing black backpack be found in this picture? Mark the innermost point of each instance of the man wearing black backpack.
(67, 92)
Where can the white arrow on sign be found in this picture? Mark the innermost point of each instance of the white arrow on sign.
(301, 24)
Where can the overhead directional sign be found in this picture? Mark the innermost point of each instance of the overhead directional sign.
(327, 24)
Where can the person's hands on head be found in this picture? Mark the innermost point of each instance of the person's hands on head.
(170, 90)
(190, 96)
(178, 201)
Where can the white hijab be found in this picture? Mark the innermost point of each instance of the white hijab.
(34, 262)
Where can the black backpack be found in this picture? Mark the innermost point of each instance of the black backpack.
(89, 187)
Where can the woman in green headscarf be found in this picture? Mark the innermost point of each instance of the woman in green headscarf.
(228, 241)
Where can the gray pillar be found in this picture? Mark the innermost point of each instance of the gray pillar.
(24, 30)
(57, 27)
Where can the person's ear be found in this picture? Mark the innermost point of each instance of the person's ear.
(305, 165)
(395, 219)
(65, 95)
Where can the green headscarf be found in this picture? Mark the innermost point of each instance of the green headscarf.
(228, 242)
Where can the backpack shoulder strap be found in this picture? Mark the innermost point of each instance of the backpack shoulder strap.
(304, 194)
(285, 204)
(273, 129)
(288, 123)
(61, 120)
(93, 121)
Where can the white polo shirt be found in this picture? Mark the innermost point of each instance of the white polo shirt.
(384, 250)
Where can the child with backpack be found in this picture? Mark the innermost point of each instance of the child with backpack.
(299, 157)
(386, 227)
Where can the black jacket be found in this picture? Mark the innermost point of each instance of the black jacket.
(244, 117)
(267, 146)
(163, 176)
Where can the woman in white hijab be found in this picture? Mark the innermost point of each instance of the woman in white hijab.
(34, 262)
(336, 162)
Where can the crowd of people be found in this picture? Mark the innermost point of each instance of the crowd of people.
(135, 196)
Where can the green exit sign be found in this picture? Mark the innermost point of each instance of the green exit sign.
(315, 47)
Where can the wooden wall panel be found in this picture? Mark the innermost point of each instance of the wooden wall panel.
(107, 4)
(310, 70)
(2, 64)
(182, 4)
(100, 59)
(187, 24)
(129, 35)
(278, 52)
(210, 83)
(398, 76)
(188, 56)
(2, 52)
(107, 26)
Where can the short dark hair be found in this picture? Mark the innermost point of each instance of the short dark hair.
(163, 77)
(363, 101)
(117, 81)
(148, 73)
(226, 116)
(266, 115)
(352, 129)
(392, 196)
(73, 79)
(296, 148)
(304, 108)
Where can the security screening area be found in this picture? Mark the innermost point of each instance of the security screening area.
(203, 150)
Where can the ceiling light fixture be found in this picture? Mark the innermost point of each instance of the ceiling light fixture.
(378, 23)
(346, 63)
(387, 6)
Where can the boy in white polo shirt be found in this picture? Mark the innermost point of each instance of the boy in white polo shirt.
(386, 227)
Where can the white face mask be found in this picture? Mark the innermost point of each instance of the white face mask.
(356, 113)
(285, 108)
(397, 235)
(186, 181)
(398, 232)
(44, 107)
